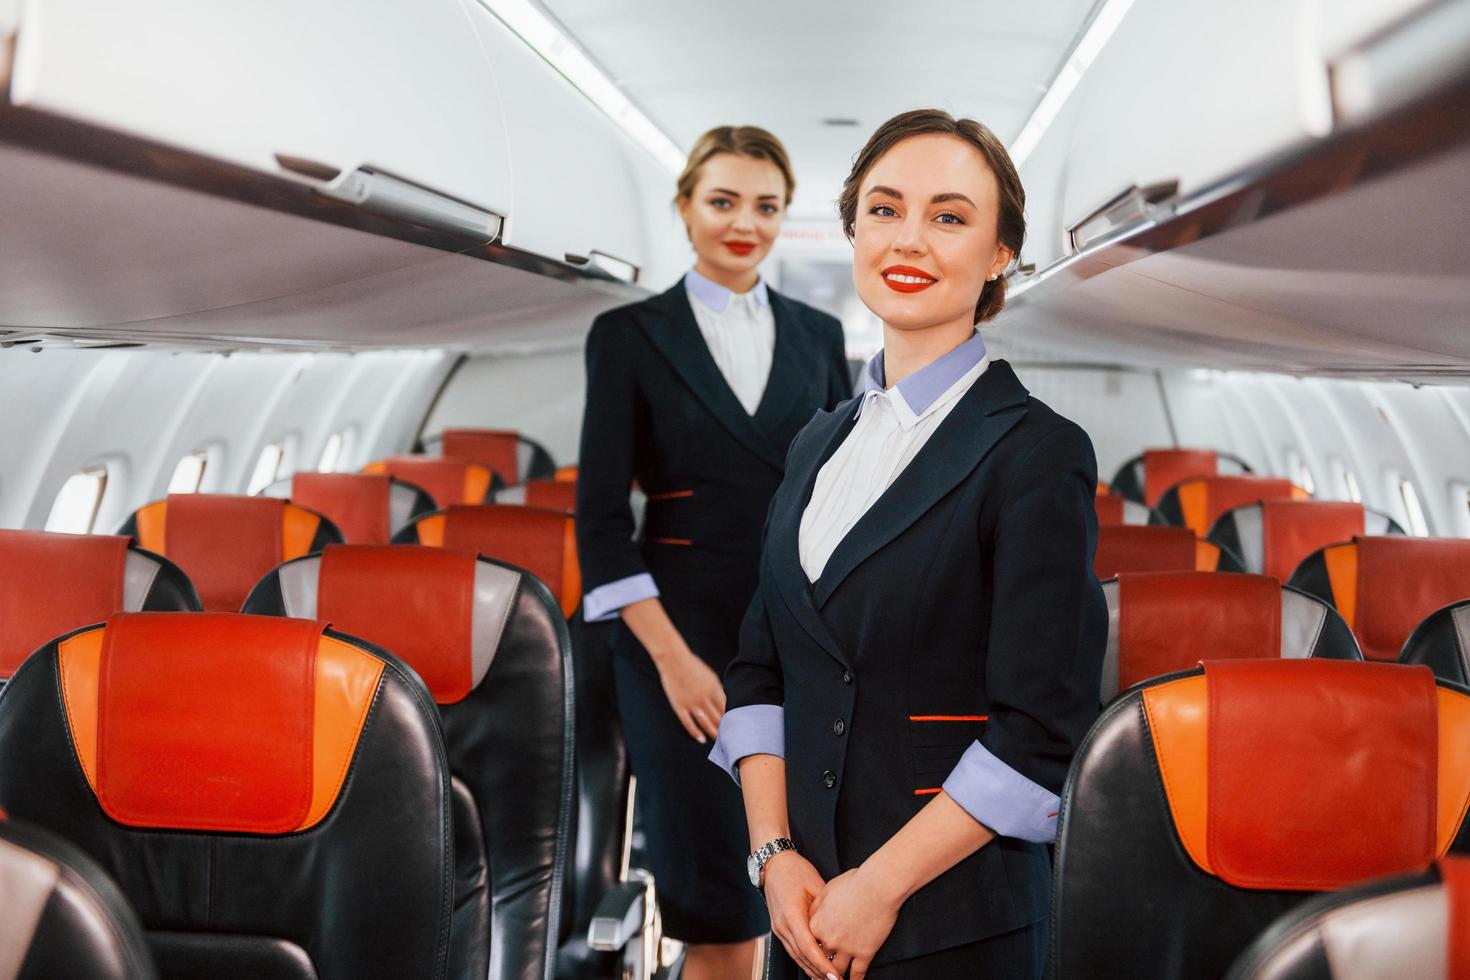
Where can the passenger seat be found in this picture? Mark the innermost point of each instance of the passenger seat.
(1114, 510)
(1129, 548)
(1166, 622)
(493, 648)
(1442, 643)
(225, 543)
(366, 507)
(56, 583)
(1414, 925)
(62, 916)
(271, 795)
(1273, 537)
(513, 457)
(1384, 586)
(546, 494)
(1198, 502)
(448, 480)
(1205, 805)
(1145, 477)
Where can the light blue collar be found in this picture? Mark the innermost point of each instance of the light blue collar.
(717, 297)
(923, 388)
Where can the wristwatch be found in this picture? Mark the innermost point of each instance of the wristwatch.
(755, 864)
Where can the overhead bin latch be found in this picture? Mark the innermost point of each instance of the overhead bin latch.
(374, 190)
(1122, 210)
(617, 268)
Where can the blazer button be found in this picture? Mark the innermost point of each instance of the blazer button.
(828, 779)
(847, 677)
(838, 727)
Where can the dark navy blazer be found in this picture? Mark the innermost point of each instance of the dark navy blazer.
(660, 412)
(961, 607)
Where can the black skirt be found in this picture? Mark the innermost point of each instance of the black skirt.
(1016, 955)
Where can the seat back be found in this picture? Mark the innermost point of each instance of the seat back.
(1415, 925)
(565, 474)
(547, 494)
(1128, 548)
(1159, 623)
(242, 779)
(1204, 805)
(512, 456)
(1114, 509)
(1442, 643)
(1145, 477)
(1198, 502)
(63, 917)
(225, 543)
(541, 541)
(366, 507)
(448, 480)
(1384, 586)
(1272, 537)
(55, 583)
(494, 650)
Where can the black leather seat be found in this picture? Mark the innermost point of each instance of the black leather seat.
(1160, 623)
(225, 543)
(1204, 805)
(366, 507)
(1415, 925)
(270, 795)
(55, 583)
(1273, 537)
(1442, 643)
(1145, 477)
(62, 915)
(1198, 502)
(493, 648)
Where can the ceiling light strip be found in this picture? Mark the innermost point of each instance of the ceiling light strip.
(548, 39)
(1109, 16)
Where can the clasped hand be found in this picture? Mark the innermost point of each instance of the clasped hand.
(830, 929)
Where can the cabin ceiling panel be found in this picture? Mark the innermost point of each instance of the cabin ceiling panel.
(787, 66)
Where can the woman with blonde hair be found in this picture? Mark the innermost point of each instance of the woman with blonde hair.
(696, 394)
(923, 654)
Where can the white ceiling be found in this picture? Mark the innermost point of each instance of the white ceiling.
(789, 65)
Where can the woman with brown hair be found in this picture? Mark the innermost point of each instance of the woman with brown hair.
(923, 654)
(696, 394)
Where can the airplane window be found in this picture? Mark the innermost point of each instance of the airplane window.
(74, 510)
(1301, 474)
(1348, 482)
(267, 467)
(1418, 526)
(337, 452)
(189, 473)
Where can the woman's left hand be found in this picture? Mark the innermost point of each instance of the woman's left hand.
(852, 918)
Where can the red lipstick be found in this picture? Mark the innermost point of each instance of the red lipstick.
(907, 283)
(741, 248)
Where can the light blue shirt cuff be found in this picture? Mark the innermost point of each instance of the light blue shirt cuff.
(756, 729)
(603, 602)
(1001, 798)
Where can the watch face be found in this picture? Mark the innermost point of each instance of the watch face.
(753, 868)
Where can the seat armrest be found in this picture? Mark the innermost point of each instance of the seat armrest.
(620, 916)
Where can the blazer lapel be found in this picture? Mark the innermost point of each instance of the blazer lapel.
(984, 414)
(791, 367)
(676, 336)
(783, 551)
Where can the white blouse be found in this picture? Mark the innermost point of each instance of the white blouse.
(893, 424)
(740, 332)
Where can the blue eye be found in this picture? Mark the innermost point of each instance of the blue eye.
(950, 218)
(883, 211)
(720, 202)
(768, 209)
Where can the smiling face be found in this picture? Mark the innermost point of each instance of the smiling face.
(925, 237)
(734, 215)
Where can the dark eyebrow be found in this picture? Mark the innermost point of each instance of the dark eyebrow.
(881, 189)
(951, 196)
(725, 190)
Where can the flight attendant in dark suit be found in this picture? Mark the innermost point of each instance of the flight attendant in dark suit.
(696, 394)
(923, 654)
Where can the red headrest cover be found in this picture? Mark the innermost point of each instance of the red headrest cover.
(1293, 529)
(1141, 548)
(1109, 509)
(1321, 772)
(204, 721)
(356, 502)
(1455, 872)
(541, 541)
(551, 495)
(1172, 620)
(53, 584)
(224, 543)
(416, 602)
(1401, 580)
(446, 480)
(494, 448)
(1162, 468)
